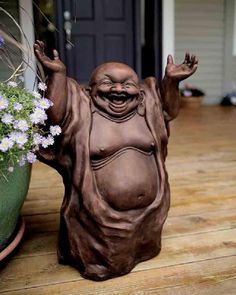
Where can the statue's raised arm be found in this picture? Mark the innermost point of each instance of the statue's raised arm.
(170, 84)
(56, 83)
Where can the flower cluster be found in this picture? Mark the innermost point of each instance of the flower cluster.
(22, 121)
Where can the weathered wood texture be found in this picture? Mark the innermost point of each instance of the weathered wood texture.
(199, 239)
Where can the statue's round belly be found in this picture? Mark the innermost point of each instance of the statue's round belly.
(128, 181)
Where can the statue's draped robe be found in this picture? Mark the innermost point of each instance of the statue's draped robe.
(98, 240)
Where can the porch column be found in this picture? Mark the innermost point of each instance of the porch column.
(168, 30)
(26, 23)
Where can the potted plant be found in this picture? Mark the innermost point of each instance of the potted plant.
(22, 118)
(23, 130)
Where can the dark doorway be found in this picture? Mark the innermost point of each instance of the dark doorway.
(152, 39)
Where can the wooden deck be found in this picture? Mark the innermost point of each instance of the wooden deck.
(199, 238)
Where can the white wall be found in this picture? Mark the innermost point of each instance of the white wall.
(200, 28)
(229, 79)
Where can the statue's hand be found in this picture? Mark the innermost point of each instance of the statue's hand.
(182, 71)
(49, 65)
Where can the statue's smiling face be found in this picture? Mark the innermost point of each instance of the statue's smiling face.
(115, 89)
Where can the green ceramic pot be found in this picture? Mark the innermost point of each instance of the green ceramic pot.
(13, 192)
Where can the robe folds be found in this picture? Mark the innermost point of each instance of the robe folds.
(98, 240)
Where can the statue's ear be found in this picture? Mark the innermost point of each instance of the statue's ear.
(88, 90)
(142, 93)
(141, 106)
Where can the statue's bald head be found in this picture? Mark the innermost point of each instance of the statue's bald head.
(118, 71)
(114, 89)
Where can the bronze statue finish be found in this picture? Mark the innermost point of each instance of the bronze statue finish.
(111, 156)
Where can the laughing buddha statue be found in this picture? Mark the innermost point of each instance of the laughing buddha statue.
(111, 156)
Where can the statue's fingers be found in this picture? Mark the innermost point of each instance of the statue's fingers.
(37, 51)
(187, 58)
(194, 68)
(36, 46)
(41, 57)
(170, 59)
(194, 60)
(55, 54)
(37, 42)
(41, 45)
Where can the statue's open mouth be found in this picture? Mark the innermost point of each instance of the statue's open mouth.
(118, 102)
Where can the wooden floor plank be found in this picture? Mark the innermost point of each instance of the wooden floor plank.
(205, 277)
(177, 250)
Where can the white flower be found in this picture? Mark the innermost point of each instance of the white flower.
(6, 144)
(10, 169)
(37, 139)
(7, 118)
(13, 135)
(21, 125)
(36, 94)
(42, 86)
(46, 141)
(31, 157)
(50, 140)
(22, 160)
(3, 103)
(55, 130)
(12, 84)
(17, 106)
(36, 102)
(43, 103)
(21, 139)
(38, 116)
